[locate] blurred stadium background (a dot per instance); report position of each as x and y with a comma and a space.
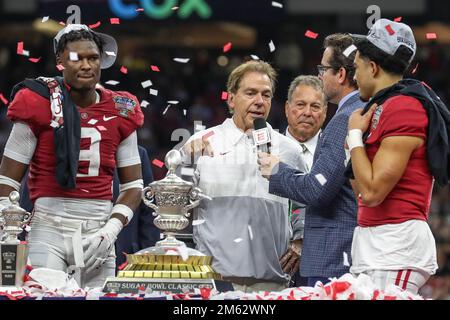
154, 32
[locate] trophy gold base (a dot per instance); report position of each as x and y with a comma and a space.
13, 259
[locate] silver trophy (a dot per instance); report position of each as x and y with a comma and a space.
169, 265
13, 253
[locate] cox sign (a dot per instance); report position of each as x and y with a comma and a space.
162, 10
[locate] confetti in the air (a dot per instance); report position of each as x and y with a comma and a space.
114, 20
415, 68
19, 47
167, 108
124, 70
139, 9
146, 84
184, 112
181, 60
398, 19
237, 240
199, 127
95, 25
173, 101
34, 60
250, 232
277, 4
227, 47
254, 57
92, 121
349, 50
199, 221
322, 180
185, 171
62, 23
311, 34
60, 67
4, 100
346, 263
154, 68
101, 128
389, 29
144, 103
158, 163
153, 92
175, 8
431, 35
112, 82
45, 19
110, 53
73, 56
224, 95
271, 46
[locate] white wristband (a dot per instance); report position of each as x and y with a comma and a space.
354, 139
10, 182
123, 210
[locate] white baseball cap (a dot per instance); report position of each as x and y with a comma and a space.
109, 43
389, 35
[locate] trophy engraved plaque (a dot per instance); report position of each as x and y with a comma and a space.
170, 265
13, 253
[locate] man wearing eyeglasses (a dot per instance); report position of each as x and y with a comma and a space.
330, 216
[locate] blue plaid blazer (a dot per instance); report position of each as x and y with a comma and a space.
330, 217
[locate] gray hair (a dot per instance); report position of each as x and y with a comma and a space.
307, 80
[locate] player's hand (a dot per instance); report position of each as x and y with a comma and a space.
361, 121
98, 246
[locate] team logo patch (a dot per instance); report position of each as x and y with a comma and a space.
124, 105
376, 116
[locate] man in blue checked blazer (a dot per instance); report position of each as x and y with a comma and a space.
331, 204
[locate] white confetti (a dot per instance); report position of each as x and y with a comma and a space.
321, 178
237, 240
184, 112
349, 50
26, 53
277, 4
173, 102
346, 263
199, 127
92, 121
165, 110
27, 228
250, 232
271, 46
185, 171
144, 103
153, 92
254, 57
197, 222
112, 82
73, 56
146, 84
181, 60
44, 19
110, 53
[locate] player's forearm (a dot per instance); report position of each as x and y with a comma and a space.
126, 203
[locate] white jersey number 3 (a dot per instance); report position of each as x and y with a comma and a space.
93, 153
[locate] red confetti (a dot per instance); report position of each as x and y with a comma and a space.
398, 19
390, 298
95, 25
205, 293
34, 60
389, 29
62, 23
431, 35
311, 34
158, 163
114, 20
227, 47
154, 68
124, 70
123, 265
4, 100
376, 293
224, 95
207, 135
140, 9
60, 67
20, 47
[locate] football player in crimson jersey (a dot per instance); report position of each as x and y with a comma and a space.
394, 169
74, 227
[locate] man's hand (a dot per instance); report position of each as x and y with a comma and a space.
267, 162
359, 121
98, 246
198, 147
290, 260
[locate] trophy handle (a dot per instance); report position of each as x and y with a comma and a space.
148, 196
27, 219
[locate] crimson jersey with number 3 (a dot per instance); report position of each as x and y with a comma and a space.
103, 127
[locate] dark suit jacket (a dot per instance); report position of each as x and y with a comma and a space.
330, 217
139, 234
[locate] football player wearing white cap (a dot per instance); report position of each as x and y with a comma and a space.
398, 146
73, 135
